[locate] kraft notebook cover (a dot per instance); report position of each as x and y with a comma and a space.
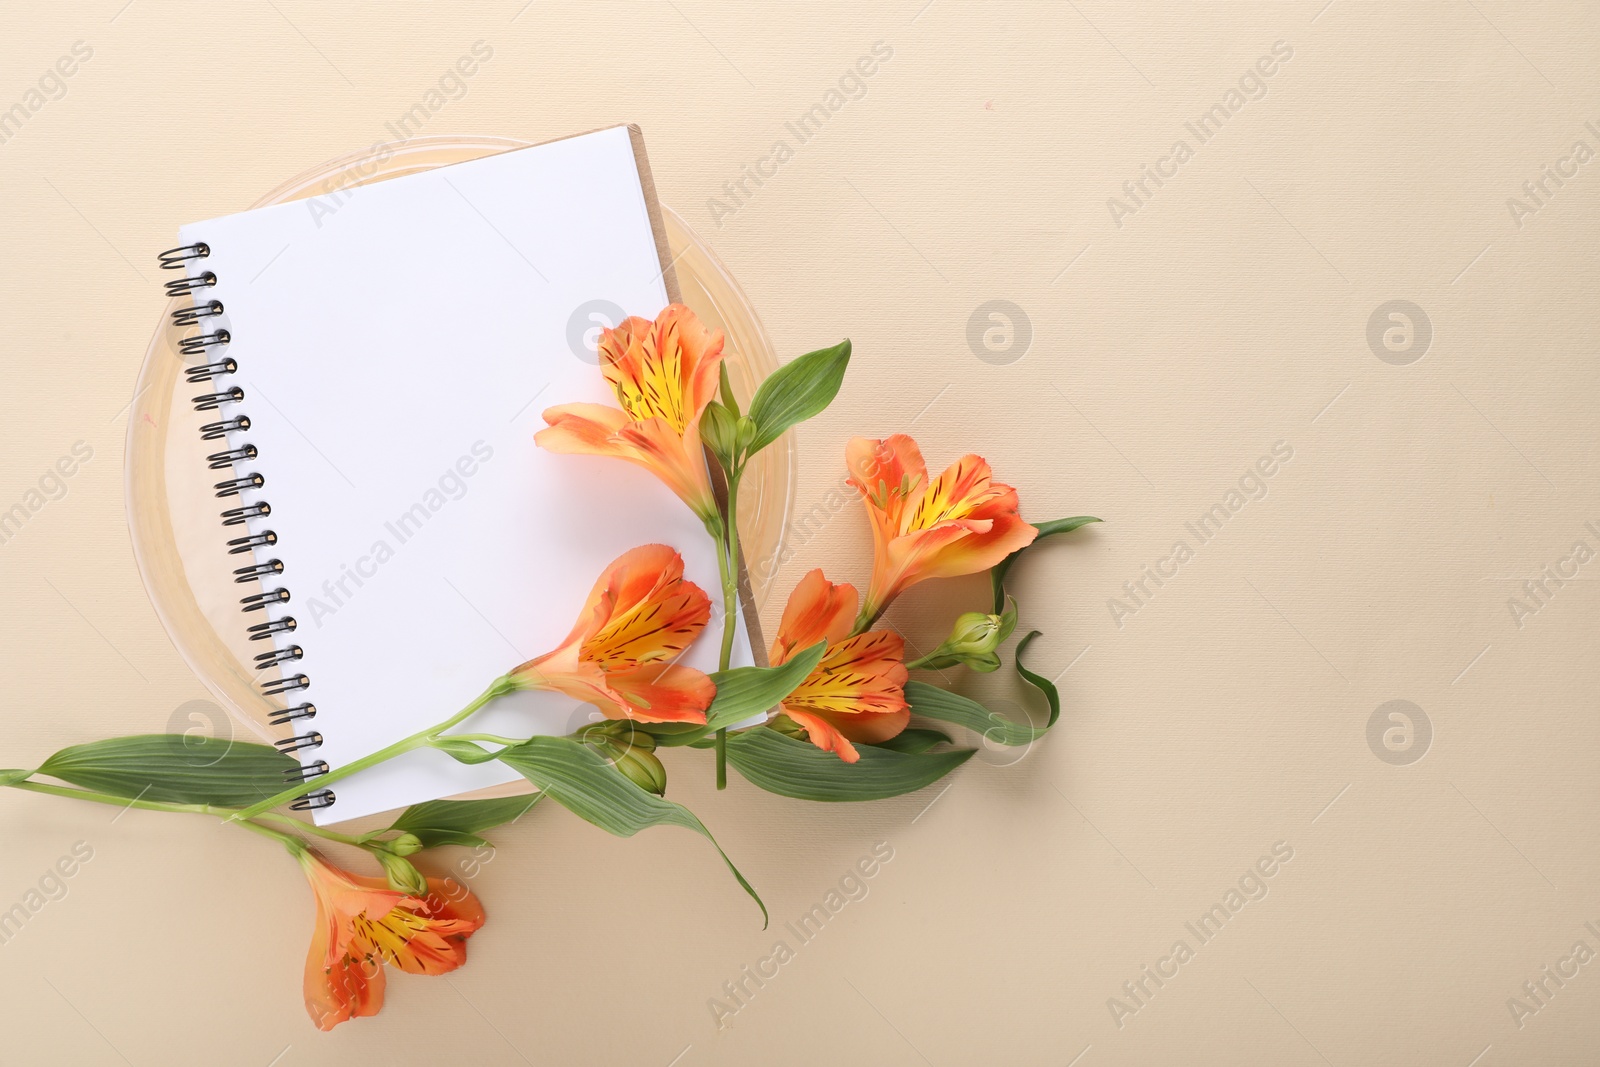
394, 348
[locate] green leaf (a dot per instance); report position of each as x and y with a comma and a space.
175, 769
997, 576
746, 691
742, 693
914, 740
578, 779
931, 702
1044, 685
796, 391
459, 822
462, 751
798, 769
673, 734
13, 777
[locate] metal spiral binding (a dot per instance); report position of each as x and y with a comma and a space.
191, 316
254, 541
180, 286
288, 715
221, 460
260, 570
279, 655
221, 366
216, 431
207, 371
235, 486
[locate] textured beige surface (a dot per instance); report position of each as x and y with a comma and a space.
1168, 355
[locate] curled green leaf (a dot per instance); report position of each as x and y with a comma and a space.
931, 702
997, 576
799, 769
580, 780
1044, 685
459, 822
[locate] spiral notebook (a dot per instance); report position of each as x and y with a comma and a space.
376, 363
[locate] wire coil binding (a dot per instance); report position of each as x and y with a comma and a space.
220, 365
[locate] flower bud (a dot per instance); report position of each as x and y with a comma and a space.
618, 735
744, 433
644, 770
974, 634
973, 641
403, 876
405, 845
787, 727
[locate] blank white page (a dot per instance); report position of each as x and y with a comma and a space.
396, 347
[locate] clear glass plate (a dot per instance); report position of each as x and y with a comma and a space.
178, 539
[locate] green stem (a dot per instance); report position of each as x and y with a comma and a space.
489, 739
421, 739
728, 562
121, 802
312, 828
295, 846
870, 614
185, 809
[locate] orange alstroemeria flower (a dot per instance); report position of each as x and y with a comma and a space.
857, 692
639, 617
362, 924
962, 523
664, 374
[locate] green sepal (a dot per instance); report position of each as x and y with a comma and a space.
728, 399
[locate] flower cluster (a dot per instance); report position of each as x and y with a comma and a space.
828, 718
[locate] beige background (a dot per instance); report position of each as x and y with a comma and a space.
1166, 356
